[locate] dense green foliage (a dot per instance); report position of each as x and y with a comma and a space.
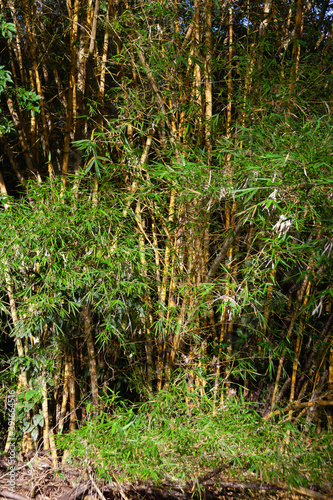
176, 437
166, 216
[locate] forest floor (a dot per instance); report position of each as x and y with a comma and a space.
36, 479
165, 450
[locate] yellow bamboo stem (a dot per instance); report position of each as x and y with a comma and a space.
290, 329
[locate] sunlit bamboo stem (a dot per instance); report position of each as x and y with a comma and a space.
101, 89
71, 100
45, 410
72, 395
65, 394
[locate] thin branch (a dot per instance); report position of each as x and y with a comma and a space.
223, 252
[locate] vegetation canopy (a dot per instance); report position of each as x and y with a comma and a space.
166, 224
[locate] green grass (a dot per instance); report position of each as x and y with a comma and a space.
169, 440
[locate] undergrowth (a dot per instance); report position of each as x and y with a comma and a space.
177, 437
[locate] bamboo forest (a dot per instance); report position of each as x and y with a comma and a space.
166, 244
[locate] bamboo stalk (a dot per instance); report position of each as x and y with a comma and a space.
45, 410
196, 92
101, 89
301, 300
164, 287
3, 191
311, 366
168, 344
297, 352
146, 321
268, 300
317, 387
17, 45
91, 356
230, 59
48, 436
22, 379
23, 140
65, 394
72, 395
53, 449
71, 99
267, 7
296, 52
298, 406
32, 47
